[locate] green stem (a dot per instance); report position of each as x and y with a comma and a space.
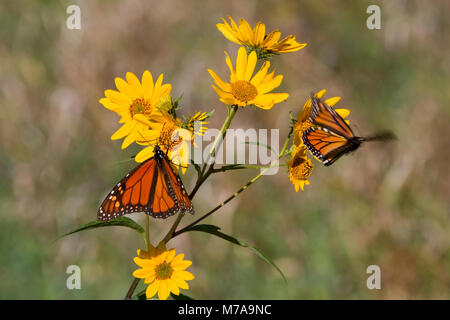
172, 229
147, 232
234, 195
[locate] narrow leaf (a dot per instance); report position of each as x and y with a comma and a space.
121, 222
214, 230
180, 297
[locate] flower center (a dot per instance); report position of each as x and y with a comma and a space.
140, 106
243, 91
301, 168
169, 137
163, 271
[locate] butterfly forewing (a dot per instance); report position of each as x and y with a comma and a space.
326, 117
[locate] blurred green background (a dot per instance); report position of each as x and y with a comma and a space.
387, 204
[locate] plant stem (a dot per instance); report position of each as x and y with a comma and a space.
132, 288
147, 232
172, 229
244, 187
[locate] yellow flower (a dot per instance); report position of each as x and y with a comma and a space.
135, 99
243, 89
300, 168
163, 272
257, 39
199, 118
166, 132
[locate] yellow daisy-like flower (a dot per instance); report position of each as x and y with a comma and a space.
257, 39
300, 168
168, 134
243, 89
163, 271
135, 100
196, 123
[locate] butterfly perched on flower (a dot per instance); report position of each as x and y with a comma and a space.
330, 137
152, 187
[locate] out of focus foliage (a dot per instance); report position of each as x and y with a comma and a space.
388, 204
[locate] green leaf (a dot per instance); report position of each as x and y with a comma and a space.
121, 222
214, 230
180, 297
209, 114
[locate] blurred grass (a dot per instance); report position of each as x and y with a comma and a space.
386, 204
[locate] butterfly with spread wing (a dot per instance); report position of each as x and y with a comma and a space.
331, 137
152, 187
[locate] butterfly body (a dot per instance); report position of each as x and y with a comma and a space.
330, 136
152, 187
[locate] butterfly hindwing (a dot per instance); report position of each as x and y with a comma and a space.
130, 194
152, 187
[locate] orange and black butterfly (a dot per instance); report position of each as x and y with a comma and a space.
152, 187
331, 137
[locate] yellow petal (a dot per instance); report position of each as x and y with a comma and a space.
271, 39
225, 97
134, 83
227, 32
170, 255
124, 87
246, 31
184, 275
144, 154
152, 289
124, 130
180, 283
173, 287
241, 64
118, 98
259, 76
143, 273
230, 66
147, 84
179, 266
267, 87
320, 94
163, 292
259, 33
251, 63
343, 112
222, 84
109, 105
130, 138
332, 101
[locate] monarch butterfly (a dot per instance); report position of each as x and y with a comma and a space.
331, 137
152, 187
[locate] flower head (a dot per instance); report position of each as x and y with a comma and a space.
167, 132
265, 45
300, 168
135, 100
163, 271
243, 89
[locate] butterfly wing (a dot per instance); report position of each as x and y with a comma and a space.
131, 194
324, 145
324, 116
184, 202
162, 202
152, 187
